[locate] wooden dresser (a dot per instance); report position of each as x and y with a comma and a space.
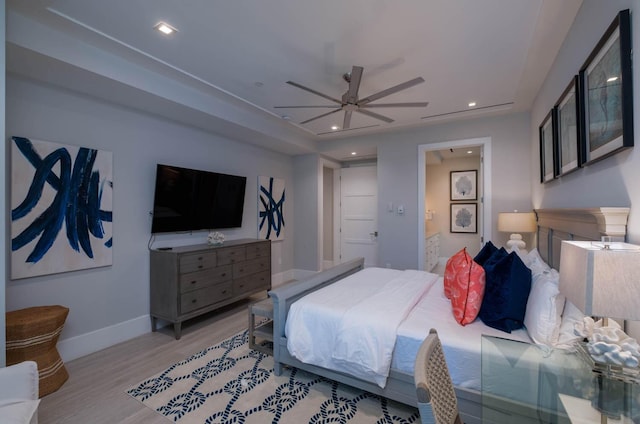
188, 281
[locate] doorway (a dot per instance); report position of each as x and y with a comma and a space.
482, 204
359, 214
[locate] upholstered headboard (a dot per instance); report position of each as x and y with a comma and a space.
555, 225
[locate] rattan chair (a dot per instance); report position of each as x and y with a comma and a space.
437, 400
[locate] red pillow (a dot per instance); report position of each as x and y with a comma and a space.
455, 262
464, 284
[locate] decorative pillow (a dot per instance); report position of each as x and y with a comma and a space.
508, 282
453, 264
535, 263
544, 308
570, 317
485, 253
466, 289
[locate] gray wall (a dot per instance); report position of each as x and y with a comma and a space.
114, 296
3, 199
398, 176
612, 181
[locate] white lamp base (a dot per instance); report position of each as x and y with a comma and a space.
516, 242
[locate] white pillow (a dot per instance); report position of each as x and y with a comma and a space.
535, 263
570, 317
544, 308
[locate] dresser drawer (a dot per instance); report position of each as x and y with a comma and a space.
197, 261
208, 277
261, 280
204, 297
251, 267
230, 255
258, 250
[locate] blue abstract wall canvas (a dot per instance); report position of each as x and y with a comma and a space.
61, 208
271, 197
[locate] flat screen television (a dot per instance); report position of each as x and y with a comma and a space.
188, 200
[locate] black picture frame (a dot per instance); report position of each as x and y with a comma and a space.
607, 94
548, 148
568, 130
464, 218
463, 185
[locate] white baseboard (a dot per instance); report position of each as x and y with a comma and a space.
84, 344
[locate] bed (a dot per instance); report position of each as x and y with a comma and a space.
554, 225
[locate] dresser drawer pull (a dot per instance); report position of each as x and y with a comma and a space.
224, 292
199, 266
224, 274
193, 282
199, 258
194, 301
241, 269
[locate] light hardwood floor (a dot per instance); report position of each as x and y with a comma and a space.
95, 390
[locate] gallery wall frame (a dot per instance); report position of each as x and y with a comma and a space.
605, 82
568, 129
464, 185
548, 147
464, 218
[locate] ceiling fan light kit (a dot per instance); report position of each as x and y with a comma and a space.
350, 102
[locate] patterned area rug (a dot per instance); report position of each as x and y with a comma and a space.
230, 383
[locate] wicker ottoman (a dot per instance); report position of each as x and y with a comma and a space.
32, 334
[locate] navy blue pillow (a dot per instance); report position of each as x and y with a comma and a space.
485, 253
508, 283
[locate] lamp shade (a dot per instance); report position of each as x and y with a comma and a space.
602, 282
517, 222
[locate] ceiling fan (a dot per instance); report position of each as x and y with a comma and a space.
350, 101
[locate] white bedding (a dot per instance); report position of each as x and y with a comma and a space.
461, 344
333, 328
350, 326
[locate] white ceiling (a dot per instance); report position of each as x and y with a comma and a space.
493, 52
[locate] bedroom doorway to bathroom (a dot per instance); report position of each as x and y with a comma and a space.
435, 210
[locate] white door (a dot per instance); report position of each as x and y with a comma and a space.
359, 214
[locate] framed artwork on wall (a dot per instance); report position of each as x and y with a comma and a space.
607, 94
568, 120
464, 185
464, 218
548, 148
61, 208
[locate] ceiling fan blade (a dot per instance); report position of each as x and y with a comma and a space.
416, 104
321, 116
347, 120
392, 90
317, 93
354, 84
375, 115
303, 107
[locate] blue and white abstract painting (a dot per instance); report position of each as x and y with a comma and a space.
61, 208
271, 197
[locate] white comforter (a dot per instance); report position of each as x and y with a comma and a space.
332, 327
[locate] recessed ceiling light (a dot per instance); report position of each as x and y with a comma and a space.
335, 127
165, 28
353, 153
472, 104
612, 79
286, 117
469, 151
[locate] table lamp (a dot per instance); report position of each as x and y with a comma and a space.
602, 280
515, 223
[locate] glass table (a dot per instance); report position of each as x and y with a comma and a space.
524, 383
